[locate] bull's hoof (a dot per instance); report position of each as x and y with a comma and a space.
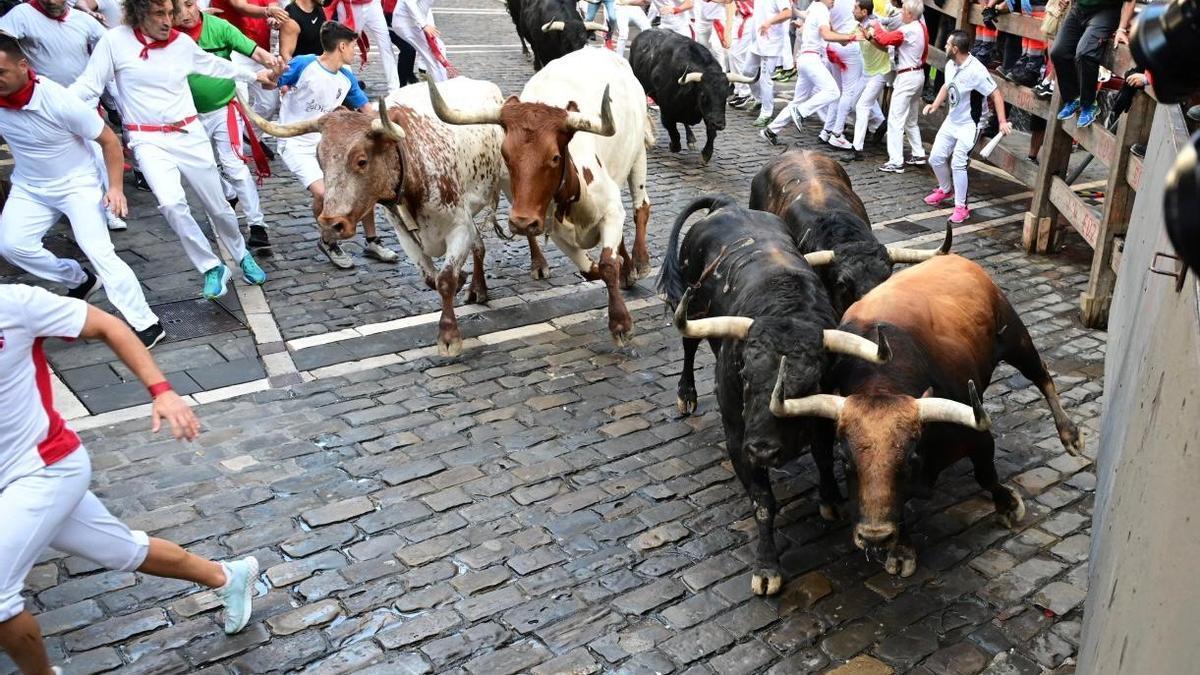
829, 512
1011, 516
477, 297
674, 147
540, 271
901, 560
692, 146
686, 404
629, 278
431, 283
766, 582
705, 159
451, 348
641, 268
621, 336
1071, 439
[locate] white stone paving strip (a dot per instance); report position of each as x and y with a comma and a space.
262, 323
65, 401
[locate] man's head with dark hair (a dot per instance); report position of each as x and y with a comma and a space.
14, 67
863, 9
958, 42
153, 17
335, 36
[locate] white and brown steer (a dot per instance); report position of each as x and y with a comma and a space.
567, 167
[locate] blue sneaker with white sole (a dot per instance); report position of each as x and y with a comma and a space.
1068, 110
251, 272
216, 282
238, 592
1088, 115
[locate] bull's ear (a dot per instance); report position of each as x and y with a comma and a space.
572, 106
928, 393
514, 99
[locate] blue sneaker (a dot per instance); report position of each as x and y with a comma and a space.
1068, 111
251, 272
238, 592
1088, 115
216, 282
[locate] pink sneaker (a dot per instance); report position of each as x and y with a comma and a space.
960, 214
937, 197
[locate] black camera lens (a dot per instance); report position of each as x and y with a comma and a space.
1164, 44
1181, 204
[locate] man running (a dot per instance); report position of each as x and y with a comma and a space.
366, 18
318, 85
45, 472
149, 62
911, 41
223, 117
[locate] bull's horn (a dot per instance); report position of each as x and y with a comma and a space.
953, 412
738, 78
819, 258
916, 255
841, 342
691, 78
553, 25
280, 130
592, 25
601, 126
733, 327
816, 405
384, 124
486, 115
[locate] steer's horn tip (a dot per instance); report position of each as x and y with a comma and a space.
982, 421
777, 404
949, 240
885, 350
681, 311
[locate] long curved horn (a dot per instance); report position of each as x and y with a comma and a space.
953, 412
280, 130
816, 405
691, 78
487, 115
592, 26
733, 327
601, 126
738, 78
384, 124
819, 258
553, 25
916, 255
841, 342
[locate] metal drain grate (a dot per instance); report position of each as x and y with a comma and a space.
195, 318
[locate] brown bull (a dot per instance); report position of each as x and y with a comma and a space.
947, 325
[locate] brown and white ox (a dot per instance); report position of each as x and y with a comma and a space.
567, 166
946, 326
431, 178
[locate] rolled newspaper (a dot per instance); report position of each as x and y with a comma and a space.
987, 149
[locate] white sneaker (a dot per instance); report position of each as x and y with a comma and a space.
115, 223
840, 142
824, 136
376, 250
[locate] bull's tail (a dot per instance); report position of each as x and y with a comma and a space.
671, 283
649, 139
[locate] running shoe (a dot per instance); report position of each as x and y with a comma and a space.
797, 118
748, 103
770, 137
892, 168
960, 214
375, 249
251, 272
337, 256
237, 595
937, 197
824, 136
917, 160
82, 291
1068, 110
737, 101
851, 156
115, 222
152, 335
762, 121
839, 141
651, 104
1045, 89
216, 282
258, 237
1088, 115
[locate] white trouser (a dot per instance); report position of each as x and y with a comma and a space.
408, 28
234, 172
53, 508
31, 210
706, 36
851, 83
765, 87
902, 116
164, 159
627, 14
952, 146
787, 52
739, 51
265, 102
677, 23
369, 19
815, 90
867, 113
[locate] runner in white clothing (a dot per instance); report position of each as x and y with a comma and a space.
956, 137
675, 15
49, 132
846, 65
767, 40
911, 43
149, 62
630, 11
366, 18
412, 20
45, 472
707, 15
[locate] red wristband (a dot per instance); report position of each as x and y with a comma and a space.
160, 388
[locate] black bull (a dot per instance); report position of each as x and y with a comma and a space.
763, 302
553, 28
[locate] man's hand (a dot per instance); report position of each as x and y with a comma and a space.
1136, 80
168, 406
928, 109
114, 201
431, 31
266, 78
277, 13
1121, 37
1006, 128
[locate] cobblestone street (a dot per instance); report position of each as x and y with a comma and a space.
537, 505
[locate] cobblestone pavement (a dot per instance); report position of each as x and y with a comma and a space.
537, 505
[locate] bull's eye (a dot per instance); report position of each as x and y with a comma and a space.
362, 163
555, 160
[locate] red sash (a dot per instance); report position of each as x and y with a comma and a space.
262, 166
147, 45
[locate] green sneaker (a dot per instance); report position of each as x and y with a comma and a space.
238, 592
216, 282
251, 272
762, 121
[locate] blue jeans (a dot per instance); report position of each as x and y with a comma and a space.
610, 14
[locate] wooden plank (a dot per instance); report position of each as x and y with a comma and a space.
1082, 217
950, 8
1040, 233
1022, 97
1016, 24
936, 58
1020, 168
1095, 139
1133, 175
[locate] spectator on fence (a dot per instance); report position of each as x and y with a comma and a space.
1078, 49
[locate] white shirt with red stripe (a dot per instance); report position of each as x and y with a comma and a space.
47, 136
816, 18
56, 49
32, 434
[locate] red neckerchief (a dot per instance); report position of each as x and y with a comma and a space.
38, 6
20, 98
147, 45
194, 31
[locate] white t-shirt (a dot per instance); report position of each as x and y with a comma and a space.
56, 49
42, 153
113, 11
313, 91
911, 52
677, 22
810, 36
32, 434
961, 81
704, 10
772, 43
153, 90
841, 16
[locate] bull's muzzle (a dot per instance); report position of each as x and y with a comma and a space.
340, 226
874, 534
525, 226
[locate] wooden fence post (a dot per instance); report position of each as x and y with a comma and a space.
1041, 227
